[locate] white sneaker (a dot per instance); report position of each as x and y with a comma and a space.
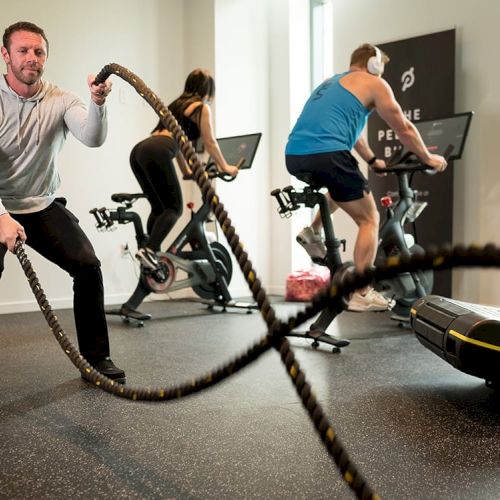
371, 301
312, 242
147, 258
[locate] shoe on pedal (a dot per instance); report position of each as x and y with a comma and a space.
312, 242
147, 258
107, 368
370, 301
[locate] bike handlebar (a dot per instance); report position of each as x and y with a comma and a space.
409, 163
403, 167
214, 173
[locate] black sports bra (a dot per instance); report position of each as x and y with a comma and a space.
190, 124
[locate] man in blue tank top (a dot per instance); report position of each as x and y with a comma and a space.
320, 144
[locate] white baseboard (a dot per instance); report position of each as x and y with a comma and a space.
32, 305
62, 303
276, 290
67, 303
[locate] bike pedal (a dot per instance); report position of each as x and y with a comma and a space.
159, 275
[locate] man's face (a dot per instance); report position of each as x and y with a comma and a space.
26, 57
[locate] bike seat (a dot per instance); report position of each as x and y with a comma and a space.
121, 197
309, 179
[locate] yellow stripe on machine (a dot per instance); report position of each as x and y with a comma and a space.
480, 343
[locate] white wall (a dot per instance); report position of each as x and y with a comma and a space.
247, 46
280, 231
242, 106
161, 42
145, 37
259, 74
299, 82
195, 49
477, 176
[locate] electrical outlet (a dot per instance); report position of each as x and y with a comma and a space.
124, 250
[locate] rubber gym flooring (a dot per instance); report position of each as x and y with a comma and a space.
414, 426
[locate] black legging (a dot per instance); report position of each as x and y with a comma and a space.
54, 232
152, 164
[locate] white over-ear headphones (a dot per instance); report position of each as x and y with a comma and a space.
375, 66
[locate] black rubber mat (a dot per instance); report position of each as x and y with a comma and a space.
415, 427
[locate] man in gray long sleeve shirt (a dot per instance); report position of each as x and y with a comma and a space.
35, 117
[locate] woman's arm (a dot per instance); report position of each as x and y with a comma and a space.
210, 143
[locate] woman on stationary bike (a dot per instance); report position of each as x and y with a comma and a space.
152, 163
152, 160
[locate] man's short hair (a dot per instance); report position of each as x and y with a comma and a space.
361, 55
22, 26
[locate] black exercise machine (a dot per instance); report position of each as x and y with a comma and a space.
289, 199
465, 335
206, 266
444, 136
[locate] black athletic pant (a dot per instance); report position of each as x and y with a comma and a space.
151, 162
55, 234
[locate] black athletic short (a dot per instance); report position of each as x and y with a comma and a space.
338, 171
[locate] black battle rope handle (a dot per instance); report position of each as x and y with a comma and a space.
445, 258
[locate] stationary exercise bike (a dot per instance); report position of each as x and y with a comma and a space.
394, 240
445, 136
405, 288
290, 199
206, 266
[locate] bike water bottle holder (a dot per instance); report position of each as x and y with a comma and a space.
415, 210
386, 201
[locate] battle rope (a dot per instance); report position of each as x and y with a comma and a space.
276, 329
445, 258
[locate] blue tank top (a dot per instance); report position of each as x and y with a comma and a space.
332, 120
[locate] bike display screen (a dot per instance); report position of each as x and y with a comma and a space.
438, 134
240, 148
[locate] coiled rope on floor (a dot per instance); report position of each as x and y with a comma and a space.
277, 330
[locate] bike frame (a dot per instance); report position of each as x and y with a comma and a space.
199, 263
190, 261
392, 231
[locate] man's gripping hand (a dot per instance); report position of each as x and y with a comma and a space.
437, 162
379, 164
98, 92
10, 230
